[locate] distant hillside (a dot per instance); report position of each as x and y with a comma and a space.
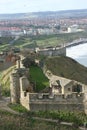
68, 68
59, 14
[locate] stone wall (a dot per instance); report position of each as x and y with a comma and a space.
44, 101
24, 100
14, 88
56, 106
85, 102
53, 52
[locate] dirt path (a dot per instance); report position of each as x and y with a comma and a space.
4, 101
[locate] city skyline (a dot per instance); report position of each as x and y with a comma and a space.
25, 6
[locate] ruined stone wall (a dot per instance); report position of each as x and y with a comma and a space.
24, 96
53, 52
44, 106
14, 88
24, 100
52, 102
44, 101
85, 102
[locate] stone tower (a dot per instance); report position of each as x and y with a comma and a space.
15, 88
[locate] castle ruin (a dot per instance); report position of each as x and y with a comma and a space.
63, 94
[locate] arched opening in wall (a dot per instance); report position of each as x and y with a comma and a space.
77, 88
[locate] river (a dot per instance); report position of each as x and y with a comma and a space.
79, 53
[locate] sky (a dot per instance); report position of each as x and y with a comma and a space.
22, 6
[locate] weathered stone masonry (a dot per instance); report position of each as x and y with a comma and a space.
44, 101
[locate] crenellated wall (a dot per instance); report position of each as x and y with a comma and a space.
45, 102
19, 87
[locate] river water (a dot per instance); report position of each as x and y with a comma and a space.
79, 53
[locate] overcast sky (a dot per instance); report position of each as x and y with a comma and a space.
20, 6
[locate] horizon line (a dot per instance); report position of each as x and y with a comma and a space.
42, 11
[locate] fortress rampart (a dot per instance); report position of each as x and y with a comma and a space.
19, 86
44, 101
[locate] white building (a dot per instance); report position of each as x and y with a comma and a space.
73, 28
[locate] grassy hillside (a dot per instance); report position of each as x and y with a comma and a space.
17, 122
68, 68
57, 39
41, 40
5, 80
38, 78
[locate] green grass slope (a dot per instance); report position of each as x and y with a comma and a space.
38, 78
41, 40
68, 68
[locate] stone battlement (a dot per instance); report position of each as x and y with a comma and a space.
67, 99
45, 101
58, 97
